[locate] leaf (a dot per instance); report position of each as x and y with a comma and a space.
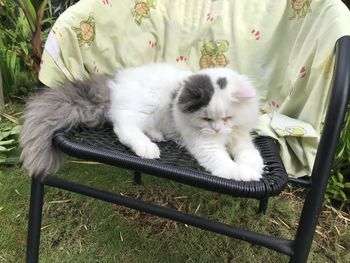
13, 62
16, 130
4, 135
12, 160
341, 152
334, 192
24, 47
3, 149
40, 11
340, 185
6, 149
5, 126
2, 158
29, 11
340, 177
327, 199
8, 142
342, 195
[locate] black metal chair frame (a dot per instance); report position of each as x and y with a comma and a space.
73, 143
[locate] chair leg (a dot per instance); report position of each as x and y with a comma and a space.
307, 225
263, 205
34, 221
137, 178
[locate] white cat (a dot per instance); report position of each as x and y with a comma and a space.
210, 113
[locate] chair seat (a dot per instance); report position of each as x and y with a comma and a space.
175, 163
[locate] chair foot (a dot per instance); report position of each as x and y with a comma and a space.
137, 178
34, 221
263, 203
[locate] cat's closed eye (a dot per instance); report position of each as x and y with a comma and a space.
225, 119
207, 119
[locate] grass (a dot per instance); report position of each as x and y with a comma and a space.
81, 229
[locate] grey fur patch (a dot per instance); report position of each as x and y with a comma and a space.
65, 106
196, 93
222, 82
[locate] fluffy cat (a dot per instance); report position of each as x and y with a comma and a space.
210, 112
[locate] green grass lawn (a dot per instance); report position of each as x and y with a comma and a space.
81, 229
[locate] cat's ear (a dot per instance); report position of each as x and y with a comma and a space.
243, 90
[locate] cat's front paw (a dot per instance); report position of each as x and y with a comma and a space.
147, 150
246, 173
238, 172
228, 171
251, 158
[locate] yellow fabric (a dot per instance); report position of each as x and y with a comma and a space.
286, 47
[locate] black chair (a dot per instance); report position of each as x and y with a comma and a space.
176, 164
101, 145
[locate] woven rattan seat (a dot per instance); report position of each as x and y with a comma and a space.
175, 163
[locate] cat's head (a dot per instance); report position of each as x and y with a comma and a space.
214, 101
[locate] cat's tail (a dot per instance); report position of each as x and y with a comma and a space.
63, 107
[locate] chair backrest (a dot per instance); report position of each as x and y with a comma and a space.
286, 47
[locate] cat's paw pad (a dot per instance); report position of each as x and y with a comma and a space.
247, 173
148, 150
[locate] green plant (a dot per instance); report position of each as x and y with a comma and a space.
14, 46
8, 142
34, 13
57, 7
19, 59
339, 183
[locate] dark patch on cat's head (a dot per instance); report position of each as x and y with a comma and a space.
222, 82
175, 93
196, 93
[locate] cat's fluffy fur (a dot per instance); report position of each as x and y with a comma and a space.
210, 112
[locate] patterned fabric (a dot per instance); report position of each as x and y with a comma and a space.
286, 47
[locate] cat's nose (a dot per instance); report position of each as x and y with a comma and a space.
216, 126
